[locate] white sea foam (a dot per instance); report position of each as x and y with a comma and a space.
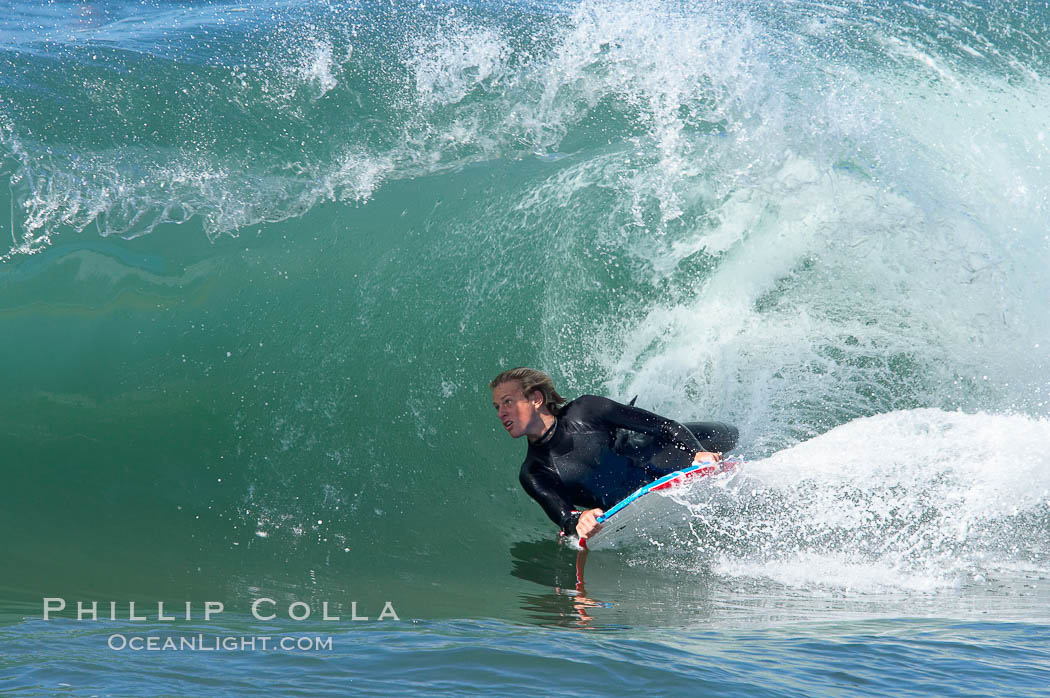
449, 63
916, 500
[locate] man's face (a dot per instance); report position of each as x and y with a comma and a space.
516, 412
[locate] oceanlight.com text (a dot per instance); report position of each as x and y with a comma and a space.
218, 643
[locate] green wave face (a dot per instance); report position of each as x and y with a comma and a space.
265, 258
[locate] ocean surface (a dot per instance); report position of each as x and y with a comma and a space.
259, 261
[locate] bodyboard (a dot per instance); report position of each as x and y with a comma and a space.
648, 510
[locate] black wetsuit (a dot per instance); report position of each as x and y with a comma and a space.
574, 463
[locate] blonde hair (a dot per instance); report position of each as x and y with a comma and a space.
530, 380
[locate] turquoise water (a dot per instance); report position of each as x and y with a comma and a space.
265, 257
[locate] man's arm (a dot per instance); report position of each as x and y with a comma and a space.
543, 487
681, 446
637, 419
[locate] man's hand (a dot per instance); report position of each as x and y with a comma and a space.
587, 526
702, 457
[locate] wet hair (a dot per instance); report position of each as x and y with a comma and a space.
530, 380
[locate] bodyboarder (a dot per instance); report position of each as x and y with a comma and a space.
572, 459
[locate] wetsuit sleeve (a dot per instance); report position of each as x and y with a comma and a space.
544, 488
615, 415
